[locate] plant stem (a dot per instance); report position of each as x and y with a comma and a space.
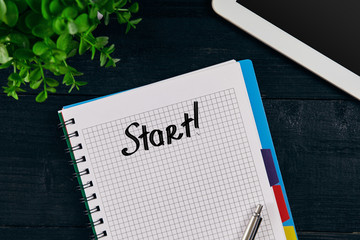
43, 75
93, 45
72, 76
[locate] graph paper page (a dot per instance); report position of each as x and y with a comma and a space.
184, 164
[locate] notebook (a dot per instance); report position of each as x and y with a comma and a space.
189, 157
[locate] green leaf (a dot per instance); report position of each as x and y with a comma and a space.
19, 39
110, 63
59, 25
55, 7
2, 9
135, 21
81, 83
15, 77
120, 3
63, 42
93, 51
102, 59
59, 54
36, 84
128, 27
72, 27
93, 12
21, 5
27, 77
41, 97
51, 82
43, 31
82, 22
50, 42
111, 49
134, 8
62, 69
14, 95
33, 19
74, 71
23, 53
106, 18
40, 48
67, 80
23, 72
121, 19
5, 65
83, 47
21, 24
109, 6
35, 75
45, 11
101, 42
12, 14
80, 4
50, 89
102, 3
34, 5
69, 12
4, 55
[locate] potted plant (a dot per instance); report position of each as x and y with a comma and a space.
37, 37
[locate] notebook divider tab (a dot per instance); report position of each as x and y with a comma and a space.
274, 184
270, 166
76, 162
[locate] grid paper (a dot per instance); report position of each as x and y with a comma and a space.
199, 187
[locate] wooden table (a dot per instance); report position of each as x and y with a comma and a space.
315, 127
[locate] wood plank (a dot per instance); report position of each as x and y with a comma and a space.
37, 185
178, 37
317, 144
54, 233
327, 236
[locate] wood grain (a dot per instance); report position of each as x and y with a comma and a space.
315, 127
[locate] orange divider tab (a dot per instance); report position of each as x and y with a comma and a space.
284, 214
290, 233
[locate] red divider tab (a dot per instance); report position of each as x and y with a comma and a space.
281, 203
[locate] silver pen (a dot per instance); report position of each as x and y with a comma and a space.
253, 225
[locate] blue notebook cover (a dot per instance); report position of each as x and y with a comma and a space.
262, 125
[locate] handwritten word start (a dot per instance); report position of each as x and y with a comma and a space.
170, 134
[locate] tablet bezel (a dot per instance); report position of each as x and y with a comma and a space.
289, 46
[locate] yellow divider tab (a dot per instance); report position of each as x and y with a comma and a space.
290, 233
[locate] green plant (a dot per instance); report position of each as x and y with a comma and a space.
38, 36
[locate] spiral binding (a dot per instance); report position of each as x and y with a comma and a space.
74, 148
67, 122
78, 160
79, 174
100, 235
67, 136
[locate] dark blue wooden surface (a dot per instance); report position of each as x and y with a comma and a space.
315, 127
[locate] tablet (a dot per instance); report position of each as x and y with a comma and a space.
321, 35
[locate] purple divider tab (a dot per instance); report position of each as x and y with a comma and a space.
270, 166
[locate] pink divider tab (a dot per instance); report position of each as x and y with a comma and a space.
284, 214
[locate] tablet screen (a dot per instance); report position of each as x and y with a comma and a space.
332, 27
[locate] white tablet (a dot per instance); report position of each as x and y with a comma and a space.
321, 35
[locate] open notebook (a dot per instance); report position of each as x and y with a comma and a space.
179, 159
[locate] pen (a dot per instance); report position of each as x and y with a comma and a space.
253, 225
